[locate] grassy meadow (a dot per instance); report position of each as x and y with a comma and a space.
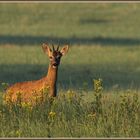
104, 44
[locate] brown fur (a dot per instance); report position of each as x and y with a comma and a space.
30, 89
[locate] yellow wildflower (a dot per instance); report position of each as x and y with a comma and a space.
18, 133
71, 94
24, 105
98, 85
92, 115
52, 114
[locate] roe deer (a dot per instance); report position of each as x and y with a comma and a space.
31, 89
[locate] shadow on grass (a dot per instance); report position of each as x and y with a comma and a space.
76, 77
94, 21
37, 40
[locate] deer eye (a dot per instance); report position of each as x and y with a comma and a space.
51, 57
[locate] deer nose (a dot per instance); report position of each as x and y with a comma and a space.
56, 60
55, 64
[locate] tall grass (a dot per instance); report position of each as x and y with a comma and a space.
70, 115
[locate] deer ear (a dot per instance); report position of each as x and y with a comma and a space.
64, 50
46, 49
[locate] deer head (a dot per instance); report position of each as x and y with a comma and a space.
54, 54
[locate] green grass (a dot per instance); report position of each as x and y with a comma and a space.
70, 22
104, 43
116, 66
74, 115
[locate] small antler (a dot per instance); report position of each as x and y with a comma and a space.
53, 47
58, 47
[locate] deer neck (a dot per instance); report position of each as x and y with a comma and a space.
52, 79
52, 74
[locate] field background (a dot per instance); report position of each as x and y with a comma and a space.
103, 38
104, 42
